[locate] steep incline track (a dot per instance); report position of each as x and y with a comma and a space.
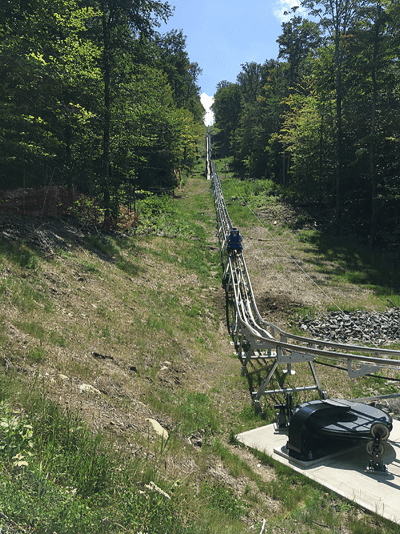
258, 340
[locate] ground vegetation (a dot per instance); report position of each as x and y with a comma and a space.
121, 393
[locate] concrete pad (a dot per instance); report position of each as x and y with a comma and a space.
344, 472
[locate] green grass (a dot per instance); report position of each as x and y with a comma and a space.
348, 262
33, 329
57, 475
223, 499
344, 261
113, 250
90, 267
195, 412
36, 355
377, 383
22, 254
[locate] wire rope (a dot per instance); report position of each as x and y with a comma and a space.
255, 337
282, 248
286, 253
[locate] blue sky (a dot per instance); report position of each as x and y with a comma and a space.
223, 34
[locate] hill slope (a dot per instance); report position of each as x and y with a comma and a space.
129, 332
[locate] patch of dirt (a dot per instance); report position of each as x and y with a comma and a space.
284, 277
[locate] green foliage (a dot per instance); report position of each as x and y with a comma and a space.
308, 137
182, 75
87, 105
162, 216
324, 121
155, 205
260, 193
226, 108
87, 210
198, 414
43, 113
15, 436
225, 500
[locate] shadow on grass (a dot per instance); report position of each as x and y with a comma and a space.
109, 249
25, 241
352, 263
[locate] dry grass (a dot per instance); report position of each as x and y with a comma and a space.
142, 321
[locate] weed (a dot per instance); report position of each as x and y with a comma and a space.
19, 254
232, 438
57, 339
127, 266
251, 493
196, 414
36, 355
102, 244
225, 500
237, 467
32, 329
15, 436
89, 267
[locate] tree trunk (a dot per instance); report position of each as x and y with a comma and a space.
106, 127
373, 132
339, 132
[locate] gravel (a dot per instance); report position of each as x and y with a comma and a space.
377, 328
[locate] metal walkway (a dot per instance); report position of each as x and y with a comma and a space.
258, 340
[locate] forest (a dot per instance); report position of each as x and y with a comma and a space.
94, 99
323, 120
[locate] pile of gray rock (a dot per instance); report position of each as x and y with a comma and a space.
355, 327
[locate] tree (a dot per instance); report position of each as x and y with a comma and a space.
251, 80
299, 37
264, 87
260, 118
307, 135
373, 85
120, 23
227, 108
182, 75
336, 17
48, 71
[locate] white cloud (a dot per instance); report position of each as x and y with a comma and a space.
283, 6
207, 102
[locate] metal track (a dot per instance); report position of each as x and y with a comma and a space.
257, 340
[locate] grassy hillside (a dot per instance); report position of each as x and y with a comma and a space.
120, 391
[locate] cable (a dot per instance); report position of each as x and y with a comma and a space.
251, 332
282, 248
345, 369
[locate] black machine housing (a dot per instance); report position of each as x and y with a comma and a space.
321, 427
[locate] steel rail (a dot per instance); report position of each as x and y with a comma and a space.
257, 339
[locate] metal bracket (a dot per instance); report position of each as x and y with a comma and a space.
362, 371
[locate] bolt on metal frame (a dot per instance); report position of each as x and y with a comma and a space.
257, 339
